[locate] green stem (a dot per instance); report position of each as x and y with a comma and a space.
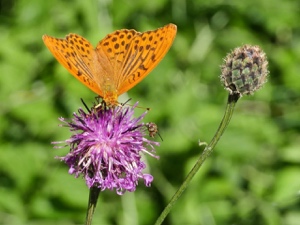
232, 99
93, 198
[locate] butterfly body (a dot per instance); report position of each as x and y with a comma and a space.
119, 61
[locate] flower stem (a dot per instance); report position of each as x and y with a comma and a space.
93, 198
232, 99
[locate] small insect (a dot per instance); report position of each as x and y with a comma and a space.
152, 129
120, 61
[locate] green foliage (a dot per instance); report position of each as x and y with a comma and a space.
251, 178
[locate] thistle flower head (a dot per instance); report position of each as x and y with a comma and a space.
106, 147
244, 70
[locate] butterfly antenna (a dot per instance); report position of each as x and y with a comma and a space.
126, 103
140, 107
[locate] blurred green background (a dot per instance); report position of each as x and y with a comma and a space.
253, 177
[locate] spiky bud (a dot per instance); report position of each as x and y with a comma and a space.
244, 70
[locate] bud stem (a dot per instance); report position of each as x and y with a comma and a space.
93, 198
232, 100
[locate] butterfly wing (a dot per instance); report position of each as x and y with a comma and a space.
133, 55
111, 53
78, 56
145, 52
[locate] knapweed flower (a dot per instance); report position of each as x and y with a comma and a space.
244, 70
106, 147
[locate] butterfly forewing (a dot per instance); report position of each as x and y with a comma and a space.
114, 46
77, 55
145, 52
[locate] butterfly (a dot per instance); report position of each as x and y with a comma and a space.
120, 61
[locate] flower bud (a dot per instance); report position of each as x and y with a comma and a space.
244, 70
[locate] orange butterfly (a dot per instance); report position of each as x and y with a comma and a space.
119, 62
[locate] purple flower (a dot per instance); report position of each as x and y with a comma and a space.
105, 148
